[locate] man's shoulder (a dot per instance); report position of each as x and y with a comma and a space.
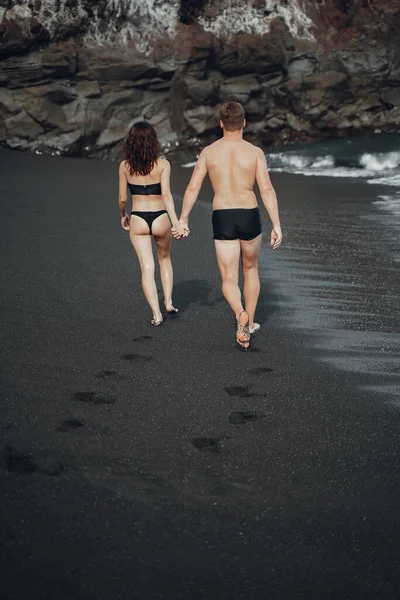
209, 148
252, 148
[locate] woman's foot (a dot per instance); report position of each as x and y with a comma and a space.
242, 332
156, 320
255, 327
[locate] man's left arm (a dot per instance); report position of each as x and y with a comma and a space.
193, 189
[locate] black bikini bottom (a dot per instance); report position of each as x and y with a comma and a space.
236, 223
149, 215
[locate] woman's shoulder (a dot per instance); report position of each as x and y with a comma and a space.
163, 163
123, 165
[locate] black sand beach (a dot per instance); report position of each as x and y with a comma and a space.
167, 463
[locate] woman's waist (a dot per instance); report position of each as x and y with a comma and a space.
147, 206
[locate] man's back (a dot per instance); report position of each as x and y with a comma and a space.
232, 167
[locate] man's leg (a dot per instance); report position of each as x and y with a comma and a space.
228, 255
250, 250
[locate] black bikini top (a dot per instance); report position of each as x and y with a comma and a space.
145, 190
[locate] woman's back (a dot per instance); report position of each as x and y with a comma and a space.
146, 190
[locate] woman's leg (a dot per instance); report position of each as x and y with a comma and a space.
161, 230
141, 241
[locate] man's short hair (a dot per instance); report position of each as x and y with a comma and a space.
232, 116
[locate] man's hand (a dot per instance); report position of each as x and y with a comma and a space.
185, 225
125, 222
276, 237
177, 231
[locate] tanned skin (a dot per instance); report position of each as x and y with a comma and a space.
161, 230
234, 166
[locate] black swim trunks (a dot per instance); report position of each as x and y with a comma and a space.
236, 223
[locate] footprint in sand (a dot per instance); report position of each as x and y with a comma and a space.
244, 417
106, 374
208, 444
239, 391
242, 392
143, 338
260, 370
17, 461
93, 398
136, 358
69, 424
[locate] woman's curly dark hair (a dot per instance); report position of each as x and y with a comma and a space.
142, 148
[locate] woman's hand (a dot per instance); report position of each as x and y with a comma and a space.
178, 231
125, 222
276, 237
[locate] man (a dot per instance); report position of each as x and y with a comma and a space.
234, 166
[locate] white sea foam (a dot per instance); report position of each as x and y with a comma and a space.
122, 22
139, 22
389, 180
189, 165
238, 16
381, 161
366, 167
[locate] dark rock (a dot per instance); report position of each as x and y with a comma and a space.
88, 89
21, 122
59, 60
239, 88
301, 67
204, 92
251, 54
14, 38
391, 97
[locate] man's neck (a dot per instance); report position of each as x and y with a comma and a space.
233, 135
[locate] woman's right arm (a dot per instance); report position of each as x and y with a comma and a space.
123, 197
168, 199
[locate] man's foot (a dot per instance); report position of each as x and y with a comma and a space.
170, 308
255, 327
242, 332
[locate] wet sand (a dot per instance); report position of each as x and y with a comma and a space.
167, 463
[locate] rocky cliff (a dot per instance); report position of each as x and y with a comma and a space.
75, 74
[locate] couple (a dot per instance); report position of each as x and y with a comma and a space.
233, 166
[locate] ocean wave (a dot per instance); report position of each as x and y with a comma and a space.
366, 165
382, 161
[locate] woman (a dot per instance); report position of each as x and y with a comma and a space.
148, 178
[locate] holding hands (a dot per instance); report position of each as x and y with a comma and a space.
180, 230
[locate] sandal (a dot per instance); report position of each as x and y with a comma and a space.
171, 310
243, 332
156, 323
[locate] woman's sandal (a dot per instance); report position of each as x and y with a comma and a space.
156, 323
243, 332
